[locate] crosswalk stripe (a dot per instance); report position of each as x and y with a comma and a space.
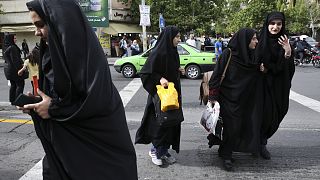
130, 90
35, 173
305, 101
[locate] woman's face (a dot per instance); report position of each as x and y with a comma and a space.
15, 39
275, 26
254, 41
41, 27
176, 40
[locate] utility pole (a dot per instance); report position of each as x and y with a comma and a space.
144, 31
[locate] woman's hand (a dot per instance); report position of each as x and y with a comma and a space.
20, 72
284, 42
164, 82
42, 107
262, 68
181, 69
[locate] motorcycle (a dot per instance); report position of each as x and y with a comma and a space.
316, 60
309, 56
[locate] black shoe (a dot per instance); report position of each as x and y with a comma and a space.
265, 154
227, 164
255, 154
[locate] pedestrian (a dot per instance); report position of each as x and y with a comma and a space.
124, 46
238, 95
135, 49
276, 57
191, 41
161, 67
31, 64
25, 48
218, 48
13, 63
80, 120
299, 50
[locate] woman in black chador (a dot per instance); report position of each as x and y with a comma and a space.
238, 95
161, 67
275, 54
13, 63
81, 120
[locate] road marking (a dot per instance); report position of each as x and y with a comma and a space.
35, 173
306, 101
130, 90
19, 121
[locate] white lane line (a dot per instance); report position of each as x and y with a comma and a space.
35, 173
306, 101
130, 90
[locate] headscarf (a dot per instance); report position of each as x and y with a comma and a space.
9, 41
268, 47
239, 44
163, 60
36, 6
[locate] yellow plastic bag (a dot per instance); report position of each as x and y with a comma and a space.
168, 97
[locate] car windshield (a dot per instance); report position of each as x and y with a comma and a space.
195, 49
310, 39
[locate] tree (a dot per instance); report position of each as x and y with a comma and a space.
245, 13
188, 15
297, 17
314, 16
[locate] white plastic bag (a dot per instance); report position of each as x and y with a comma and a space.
210, 117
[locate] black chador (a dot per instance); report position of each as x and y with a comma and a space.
87, 135
239, 96
277, 79
162, 62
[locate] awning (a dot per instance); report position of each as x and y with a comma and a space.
116, 28
18, 28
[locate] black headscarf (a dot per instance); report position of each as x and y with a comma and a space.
163, 61
269, 48
239, 44
9, 41
36, 6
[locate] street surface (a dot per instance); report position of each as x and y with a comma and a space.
295, 148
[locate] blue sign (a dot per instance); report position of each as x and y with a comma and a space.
162, 23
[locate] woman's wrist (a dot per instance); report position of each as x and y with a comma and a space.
287, 54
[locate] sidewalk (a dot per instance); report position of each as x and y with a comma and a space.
111, 61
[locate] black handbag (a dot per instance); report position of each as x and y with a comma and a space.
169, 118
25, 74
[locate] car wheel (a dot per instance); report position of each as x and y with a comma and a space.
128, 71
193, 72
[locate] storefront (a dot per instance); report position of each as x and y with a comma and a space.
110, 37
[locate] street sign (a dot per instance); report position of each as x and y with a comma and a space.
144, 15
162, 23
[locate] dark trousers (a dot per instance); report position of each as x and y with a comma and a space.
301, 56
225, 149
16, 88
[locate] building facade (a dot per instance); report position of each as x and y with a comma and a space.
15, 19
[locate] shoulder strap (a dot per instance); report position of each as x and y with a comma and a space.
225, 69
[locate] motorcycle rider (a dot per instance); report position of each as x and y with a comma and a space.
301, 48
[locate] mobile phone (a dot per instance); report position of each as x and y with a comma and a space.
23, 99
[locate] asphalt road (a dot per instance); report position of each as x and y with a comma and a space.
295, 148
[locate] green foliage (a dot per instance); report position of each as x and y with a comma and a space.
297, 18
227, 16
250, 15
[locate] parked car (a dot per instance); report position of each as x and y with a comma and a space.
309, 40
192, 60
